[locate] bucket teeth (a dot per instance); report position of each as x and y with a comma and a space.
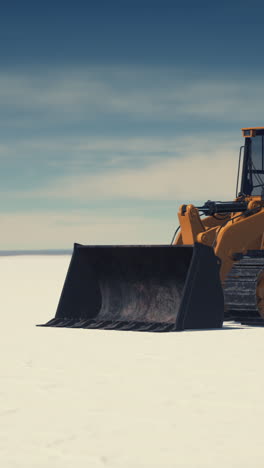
149, 327
96, 324
112, 325
130, 326
52, 323
165, 327
81, 323
64, 323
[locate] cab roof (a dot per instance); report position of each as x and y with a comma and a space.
252, 131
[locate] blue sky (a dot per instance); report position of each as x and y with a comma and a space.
114, 113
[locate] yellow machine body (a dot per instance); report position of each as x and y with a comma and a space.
238, 233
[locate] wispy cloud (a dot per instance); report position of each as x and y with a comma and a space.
143, 94
201, 175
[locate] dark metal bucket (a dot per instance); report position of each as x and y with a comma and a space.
144, 288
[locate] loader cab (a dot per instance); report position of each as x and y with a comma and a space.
252, 177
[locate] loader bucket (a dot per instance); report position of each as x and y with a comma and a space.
144, 288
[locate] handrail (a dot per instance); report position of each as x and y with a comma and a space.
238, 171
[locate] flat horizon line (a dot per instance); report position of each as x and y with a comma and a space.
13, 252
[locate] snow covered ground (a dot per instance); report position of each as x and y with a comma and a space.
81, 398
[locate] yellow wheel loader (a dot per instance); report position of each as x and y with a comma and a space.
212, 271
